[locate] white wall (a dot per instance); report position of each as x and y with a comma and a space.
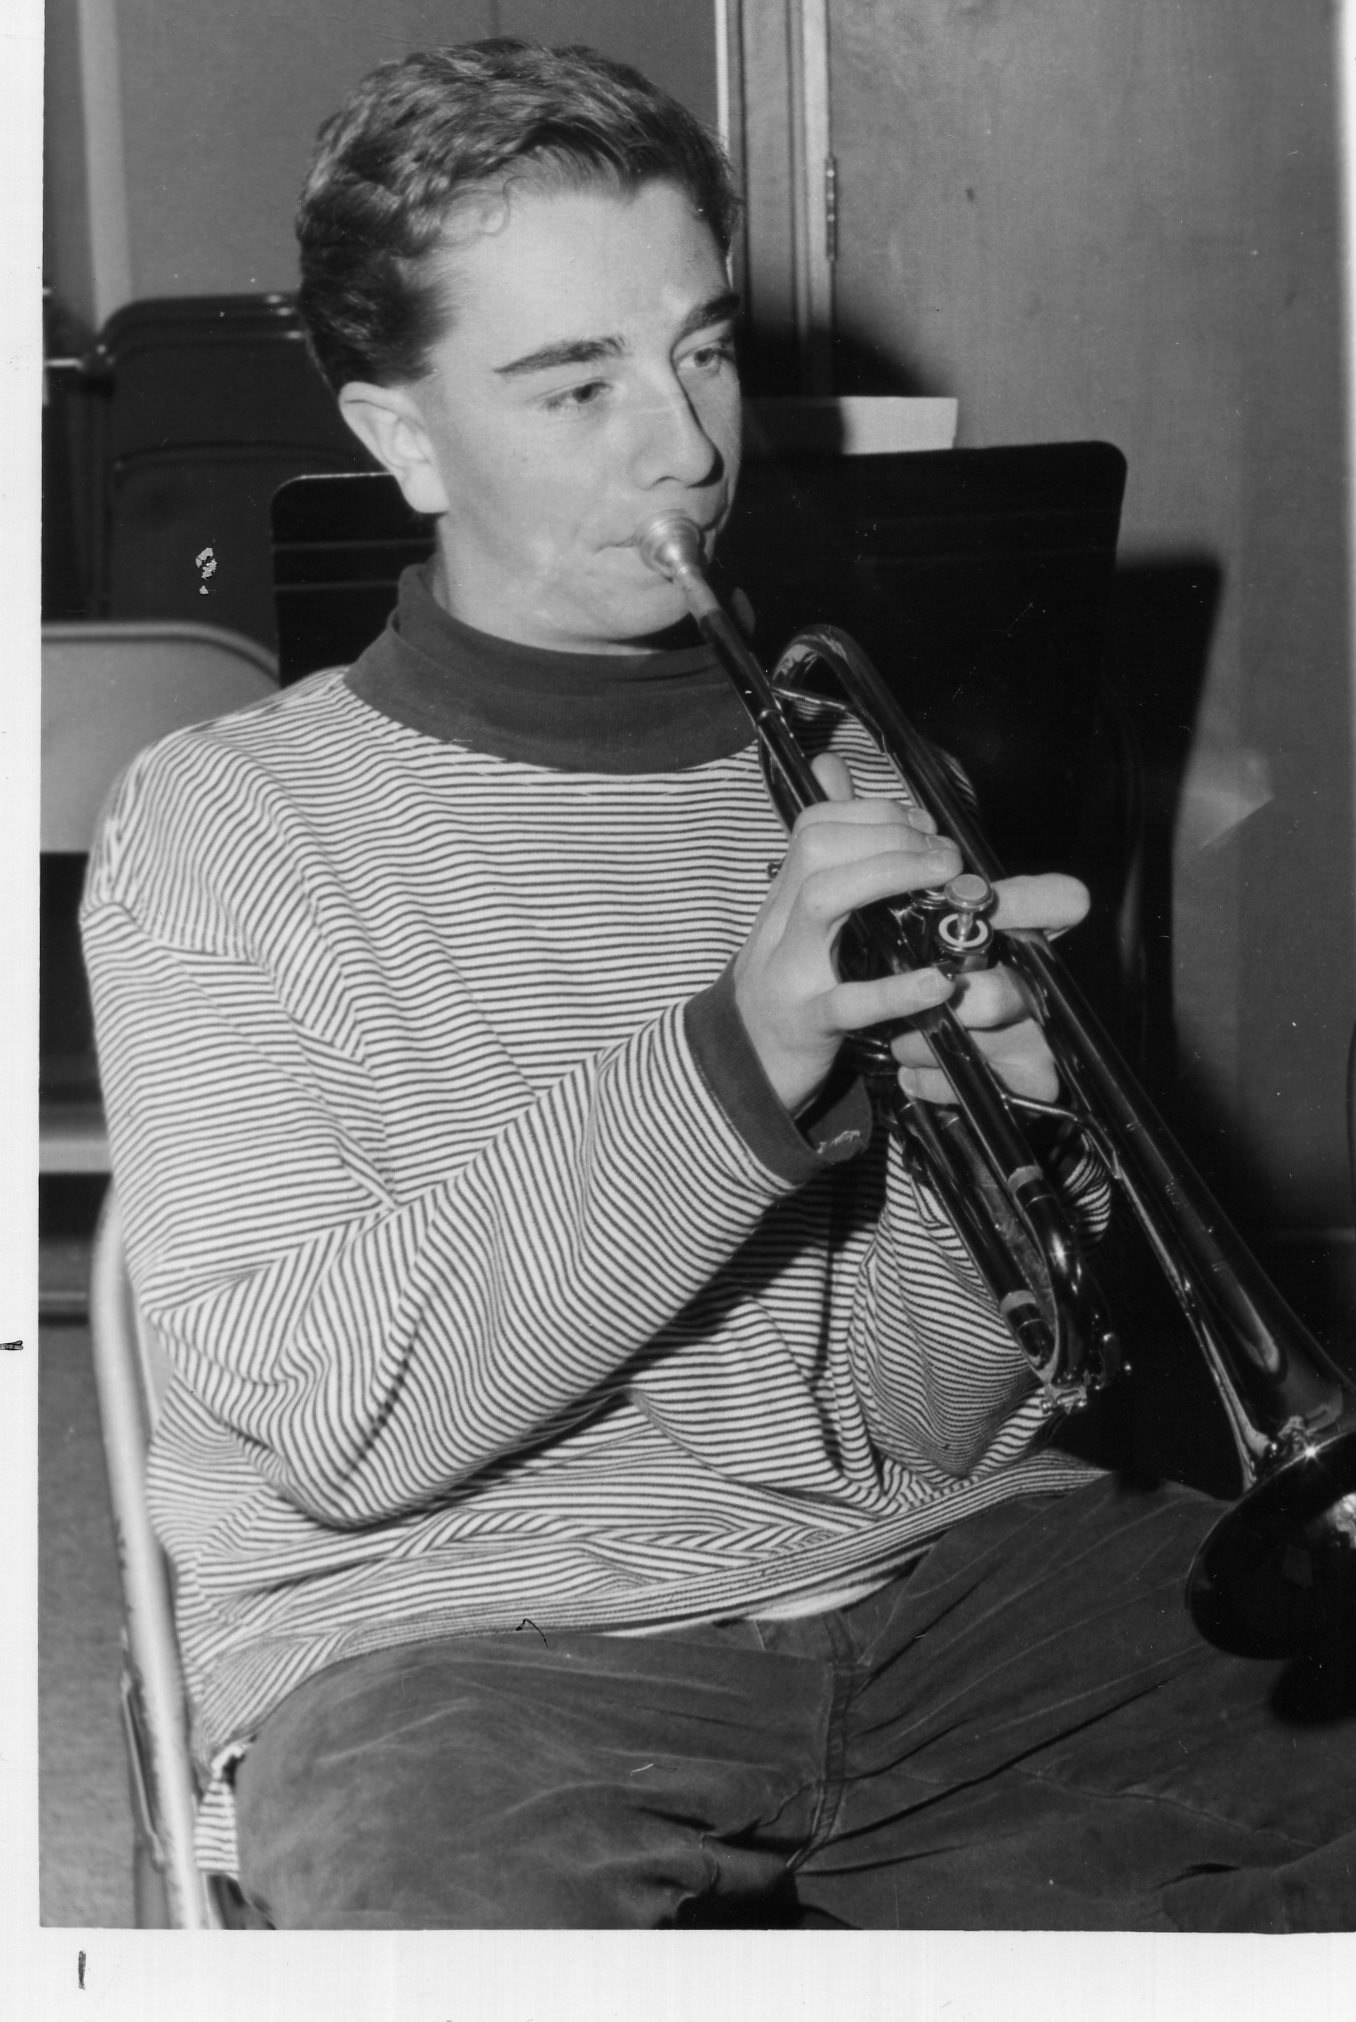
218, 102
1088, 218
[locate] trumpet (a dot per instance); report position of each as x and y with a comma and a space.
1277, 1572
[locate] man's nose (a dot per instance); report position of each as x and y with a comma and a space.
672, 443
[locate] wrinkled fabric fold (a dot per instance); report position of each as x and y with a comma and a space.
1025, 1733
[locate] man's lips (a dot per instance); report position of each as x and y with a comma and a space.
706, 526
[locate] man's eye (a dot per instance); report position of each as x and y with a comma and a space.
711, 357
572, 398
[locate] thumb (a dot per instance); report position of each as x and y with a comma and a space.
834, 776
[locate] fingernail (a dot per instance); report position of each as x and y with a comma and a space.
918, 817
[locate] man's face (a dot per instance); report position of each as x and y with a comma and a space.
587, 382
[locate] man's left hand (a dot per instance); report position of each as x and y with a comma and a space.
992, 1004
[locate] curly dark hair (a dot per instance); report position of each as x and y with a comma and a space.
420, 133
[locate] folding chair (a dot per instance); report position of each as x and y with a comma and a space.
130, 1373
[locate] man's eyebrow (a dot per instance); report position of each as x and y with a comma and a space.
722, 308
575, 351
591, 350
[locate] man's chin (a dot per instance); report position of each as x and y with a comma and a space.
683, 632
635, 621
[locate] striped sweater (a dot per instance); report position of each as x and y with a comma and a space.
495, 1281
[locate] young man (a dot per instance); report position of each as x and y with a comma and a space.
601, 1491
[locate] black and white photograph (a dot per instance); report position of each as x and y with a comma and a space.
685, 744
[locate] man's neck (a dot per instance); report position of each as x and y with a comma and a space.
663, 707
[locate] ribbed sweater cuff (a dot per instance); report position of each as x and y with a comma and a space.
833, 1130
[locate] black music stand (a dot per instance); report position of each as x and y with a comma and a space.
977, 580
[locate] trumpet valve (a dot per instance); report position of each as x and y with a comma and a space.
958, 916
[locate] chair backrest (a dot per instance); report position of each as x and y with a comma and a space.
207, 404
109, 689
339, 546
182, 370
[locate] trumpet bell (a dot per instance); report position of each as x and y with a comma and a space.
1276, 1576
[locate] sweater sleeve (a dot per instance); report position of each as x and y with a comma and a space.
374, 1351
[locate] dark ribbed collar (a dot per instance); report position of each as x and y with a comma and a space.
576, 712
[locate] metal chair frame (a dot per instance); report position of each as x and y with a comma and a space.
130, 1375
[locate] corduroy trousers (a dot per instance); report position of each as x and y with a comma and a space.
1024, 1733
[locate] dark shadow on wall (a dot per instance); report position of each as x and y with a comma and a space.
1161, 620
1161, 616
1166, 1419
863, 365
772, 364
1163, 1420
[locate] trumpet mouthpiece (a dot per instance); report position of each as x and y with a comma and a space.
671, 545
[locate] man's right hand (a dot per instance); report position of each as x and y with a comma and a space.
843, 853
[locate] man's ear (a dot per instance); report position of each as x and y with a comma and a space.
387, 421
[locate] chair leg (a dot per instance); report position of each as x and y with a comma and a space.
150, 1898
150, 1901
